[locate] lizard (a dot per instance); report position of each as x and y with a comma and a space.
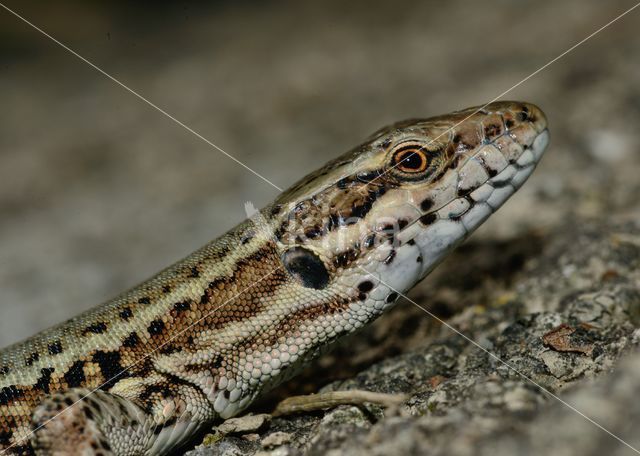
201, 340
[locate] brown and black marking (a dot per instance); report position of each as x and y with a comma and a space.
345, 203
223, 301
345, 258
274, 287
55, 348
95, 328
32, 358
75, 376
493, 127
125, 313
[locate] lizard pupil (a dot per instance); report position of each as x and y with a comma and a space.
411, 160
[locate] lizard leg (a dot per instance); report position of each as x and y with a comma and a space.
79, 422
146, 416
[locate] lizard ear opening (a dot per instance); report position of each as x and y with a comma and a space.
306, 267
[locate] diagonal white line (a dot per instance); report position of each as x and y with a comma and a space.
138, 361
278, 188
522, 81
136, 94
501, 361
519, 83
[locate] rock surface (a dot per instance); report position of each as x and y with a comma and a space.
98, 191
490, 381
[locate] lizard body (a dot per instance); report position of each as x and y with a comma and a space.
202, 339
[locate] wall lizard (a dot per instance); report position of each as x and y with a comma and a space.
140, 374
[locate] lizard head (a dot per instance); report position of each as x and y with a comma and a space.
344, 242
377, 219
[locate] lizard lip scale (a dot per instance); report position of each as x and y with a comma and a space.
463, 215
144, 372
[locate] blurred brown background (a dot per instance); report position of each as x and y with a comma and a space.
98, 191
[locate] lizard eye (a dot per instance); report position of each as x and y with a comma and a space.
410, 159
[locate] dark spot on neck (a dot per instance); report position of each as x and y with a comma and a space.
166, 289
9, 394
5, 438
75, 375
426, 204
306, 267
96, 328
156, 327
131, 341
44, 382
126, 313
182, 306
145, 300
365, 286
428, 219
158, 389
110, 367
217, 284
55, 348
169, 349
33, 357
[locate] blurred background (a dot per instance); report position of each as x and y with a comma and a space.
98, 191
